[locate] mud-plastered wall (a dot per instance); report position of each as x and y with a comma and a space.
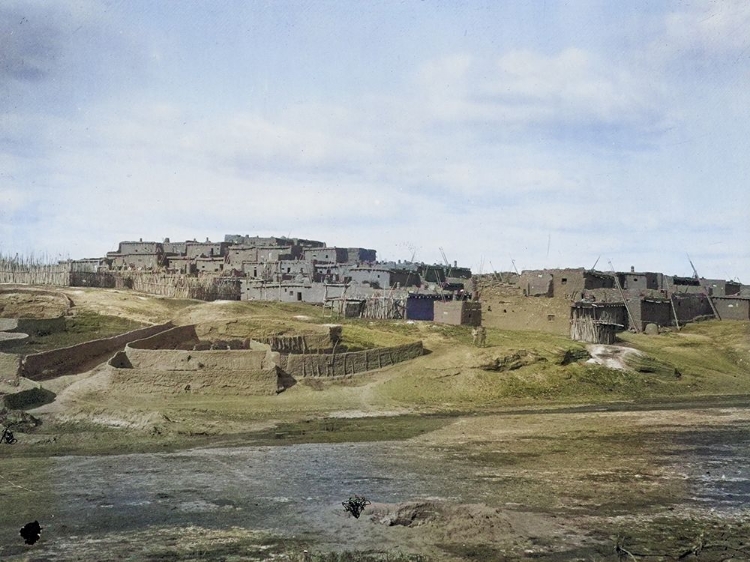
172, 338
310, 343
350, 363
57, 362
9, 365
157, 364
178, 360
204, 381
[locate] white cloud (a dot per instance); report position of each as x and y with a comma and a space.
526, 88
708, 29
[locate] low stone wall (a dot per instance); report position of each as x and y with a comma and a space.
350, 363
57, 362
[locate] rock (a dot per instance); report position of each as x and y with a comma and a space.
510, 362
573, 355
651, 330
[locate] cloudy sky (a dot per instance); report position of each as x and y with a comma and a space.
549, 133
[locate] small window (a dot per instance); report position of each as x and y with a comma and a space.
564, 281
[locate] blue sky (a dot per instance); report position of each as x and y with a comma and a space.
550, 133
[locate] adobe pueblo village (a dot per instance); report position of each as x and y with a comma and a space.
273, 398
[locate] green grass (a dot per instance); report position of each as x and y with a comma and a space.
717, 349
82, 327
344, 430
358, 336
709, 358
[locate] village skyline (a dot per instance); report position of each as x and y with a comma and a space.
551, 135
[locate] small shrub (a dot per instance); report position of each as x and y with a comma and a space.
356, 505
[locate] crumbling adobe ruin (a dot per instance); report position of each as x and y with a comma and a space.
177, 360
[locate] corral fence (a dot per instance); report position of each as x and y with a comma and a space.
201, 287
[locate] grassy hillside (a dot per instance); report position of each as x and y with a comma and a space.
516, 368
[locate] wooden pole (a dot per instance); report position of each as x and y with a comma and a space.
671, 302
624, 300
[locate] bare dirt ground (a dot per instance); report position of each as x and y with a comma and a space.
29, 302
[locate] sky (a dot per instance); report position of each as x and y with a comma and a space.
508, 134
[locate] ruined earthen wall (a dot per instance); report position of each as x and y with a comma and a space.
221, 360
350, 363
311, 343
205, 381
36, 326
57, 362
536, 283
173, 338
9, 366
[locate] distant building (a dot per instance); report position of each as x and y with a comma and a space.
732, 307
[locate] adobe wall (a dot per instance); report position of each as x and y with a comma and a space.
568, 283
57, 362
205, 381
160, 363
691, 306
173, 338
458, 313
9, 366
37, 326
536, 283
657, 312
179, 360
732, 308
350, 363
308, 343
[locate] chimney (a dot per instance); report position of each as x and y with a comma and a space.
632, 269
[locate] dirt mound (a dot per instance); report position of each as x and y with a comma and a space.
18, 420
465, 522
508, 360
27, 303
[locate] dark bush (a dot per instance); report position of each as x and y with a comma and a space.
356, 505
